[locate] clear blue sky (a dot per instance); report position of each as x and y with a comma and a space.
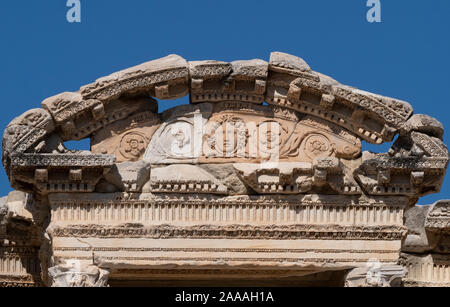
405, 56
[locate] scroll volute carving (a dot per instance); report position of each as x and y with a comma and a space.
248, 133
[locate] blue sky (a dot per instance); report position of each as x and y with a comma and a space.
405, 56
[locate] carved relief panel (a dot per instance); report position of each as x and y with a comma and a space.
126, 139
179, 139
238, 132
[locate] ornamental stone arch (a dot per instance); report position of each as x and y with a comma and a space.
265, 152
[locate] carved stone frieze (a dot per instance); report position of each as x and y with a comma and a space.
247, 232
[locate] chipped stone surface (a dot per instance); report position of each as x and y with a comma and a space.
425, 124
376, 275
184, 178
284, 61
74, 275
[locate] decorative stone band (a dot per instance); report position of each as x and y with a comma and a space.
262, 210
248, 232
214, 250
19, 281
62, 160
42, 171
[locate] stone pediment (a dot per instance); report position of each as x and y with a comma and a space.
240, 112
266, 158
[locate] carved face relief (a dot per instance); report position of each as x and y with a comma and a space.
269, 139
226, 137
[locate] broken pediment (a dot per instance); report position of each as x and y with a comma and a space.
266, 160
307, 117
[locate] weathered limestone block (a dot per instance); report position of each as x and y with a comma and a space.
426, 249
375, 274
250, 78
410, 174
288, 63
3, 217
277, 177
25, 131
389, 112
206, 79
424, 124
68, 105
165, 78
83, 125
438, 218
297, 177
184, 178
226, 175
19, 207
372, 117
428, 229
418, 240
73, 274
129, 176
220, 81
58, 172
